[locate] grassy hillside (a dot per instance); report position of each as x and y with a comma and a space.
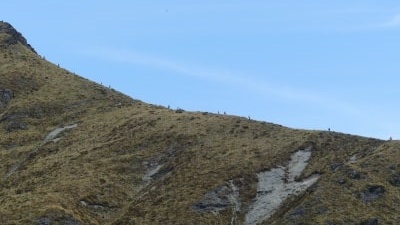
128, 162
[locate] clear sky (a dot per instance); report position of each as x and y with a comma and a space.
302, 64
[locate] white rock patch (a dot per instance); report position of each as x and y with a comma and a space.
150, 172
276, 185
235, 201
52, 135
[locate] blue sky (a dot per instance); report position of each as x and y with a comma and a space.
303, 64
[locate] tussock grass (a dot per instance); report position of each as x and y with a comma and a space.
93, 174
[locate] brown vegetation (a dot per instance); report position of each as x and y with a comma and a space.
94, 173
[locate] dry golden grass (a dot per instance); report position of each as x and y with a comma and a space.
93, 174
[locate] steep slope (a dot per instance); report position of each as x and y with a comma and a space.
75, 152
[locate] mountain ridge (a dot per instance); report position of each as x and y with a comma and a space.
13, 36
76, 152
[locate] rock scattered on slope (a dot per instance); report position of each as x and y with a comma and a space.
336, 166
16, 125
395, 180
5, 97
372, 221
354, 174
56, 217
372, 192
63, 221
221, 198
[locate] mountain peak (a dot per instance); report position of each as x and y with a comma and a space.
10, 36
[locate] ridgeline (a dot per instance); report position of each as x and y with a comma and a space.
75, 152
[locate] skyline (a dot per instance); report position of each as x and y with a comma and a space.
303, 65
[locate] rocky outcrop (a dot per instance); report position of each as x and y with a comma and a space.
274, 187
63, 221
395, 180
56, 216
5, 97
223, 197
372, 192
14, 121
277, 185
12, 36
16, 125
372, 221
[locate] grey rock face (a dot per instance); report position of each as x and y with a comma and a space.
61, 221
336, 166
395, 180
43, 221
5, 97
371, 221
297, 212
221, 198
13, 36
372, 192
353, 174
16, 125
